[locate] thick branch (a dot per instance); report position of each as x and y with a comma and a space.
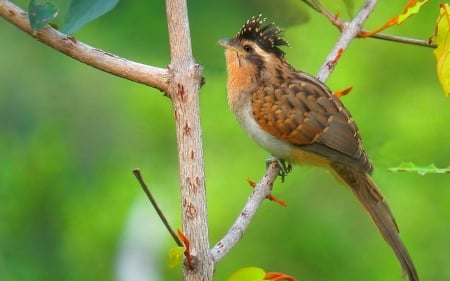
185, 79
260, 192
181, 81
179, 35
152, 76
350, 30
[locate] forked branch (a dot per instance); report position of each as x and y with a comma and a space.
149, 75
367, 34
350, 30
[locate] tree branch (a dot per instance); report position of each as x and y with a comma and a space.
401, 39
181, 81
162, 217
350, 30
184, 84
260, 192
152, 76
368, 34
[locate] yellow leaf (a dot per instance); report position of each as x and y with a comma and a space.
412, 7
248, 274
442, 52
176, 256
409, 10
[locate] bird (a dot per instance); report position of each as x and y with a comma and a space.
297, 119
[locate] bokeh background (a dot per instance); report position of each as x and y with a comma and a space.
70, 208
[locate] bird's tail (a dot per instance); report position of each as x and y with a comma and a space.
371, 199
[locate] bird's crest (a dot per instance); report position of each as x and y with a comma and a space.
268, 37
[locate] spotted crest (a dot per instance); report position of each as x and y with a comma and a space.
268, 37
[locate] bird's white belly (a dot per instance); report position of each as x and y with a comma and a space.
278, 148
273, 145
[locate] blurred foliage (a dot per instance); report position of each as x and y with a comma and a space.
70, 136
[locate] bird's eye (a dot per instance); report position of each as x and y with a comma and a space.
248, 48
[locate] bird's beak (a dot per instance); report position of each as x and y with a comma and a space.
225, 42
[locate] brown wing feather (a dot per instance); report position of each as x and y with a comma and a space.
305, 113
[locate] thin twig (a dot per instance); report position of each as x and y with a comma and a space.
138, 175
404, 40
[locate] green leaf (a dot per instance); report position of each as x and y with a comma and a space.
83, 11
248, 274
411, 167
176, 256
40, 14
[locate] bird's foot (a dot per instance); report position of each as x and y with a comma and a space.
284, 169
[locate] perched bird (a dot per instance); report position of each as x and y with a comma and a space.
296, 118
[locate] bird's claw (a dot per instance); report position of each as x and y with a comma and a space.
284, 169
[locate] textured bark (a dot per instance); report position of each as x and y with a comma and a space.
184, 84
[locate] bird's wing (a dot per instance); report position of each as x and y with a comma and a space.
306, 114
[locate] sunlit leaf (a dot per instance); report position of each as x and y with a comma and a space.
83, 11
421, 170
442, 52
176, 256
412, 7
41, 13
248, 274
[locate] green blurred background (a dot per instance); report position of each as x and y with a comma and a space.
70, 208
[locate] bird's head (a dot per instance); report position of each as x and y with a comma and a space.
254, 47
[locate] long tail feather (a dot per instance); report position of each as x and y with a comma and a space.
371, 199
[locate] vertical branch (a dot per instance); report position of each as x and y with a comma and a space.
184, 83
179, 34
